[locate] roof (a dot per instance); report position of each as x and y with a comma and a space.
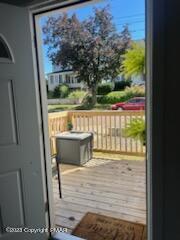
60, 71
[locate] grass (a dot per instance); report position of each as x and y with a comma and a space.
65, 107
102, 107
61, 107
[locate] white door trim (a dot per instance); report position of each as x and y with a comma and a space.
43, 121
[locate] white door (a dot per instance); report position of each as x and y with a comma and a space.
22, 187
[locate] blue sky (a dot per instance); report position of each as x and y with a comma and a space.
131, 12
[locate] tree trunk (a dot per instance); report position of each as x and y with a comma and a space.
93, 92
94, 97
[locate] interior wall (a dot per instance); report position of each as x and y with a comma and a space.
172, 121
165, 120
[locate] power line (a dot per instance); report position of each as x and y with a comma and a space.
127, 23
128, 20
131, 19
132, 16
137, 30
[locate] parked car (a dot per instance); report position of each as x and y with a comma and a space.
136, 103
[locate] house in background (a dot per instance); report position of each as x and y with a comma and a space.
64, 77
69, 77
137, 80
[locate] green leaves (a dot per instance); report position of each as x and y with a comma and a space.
121, 96
136, 130
61, 91
134, 61
77, 94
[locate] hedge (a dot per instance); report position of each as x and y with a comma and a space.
77, 94
104, 88
121, 96
121, 85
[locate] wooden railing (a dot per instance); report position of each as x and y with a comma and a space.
107, 128
57, 123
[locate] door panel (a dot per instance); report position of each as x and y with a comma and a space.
11, 185
22, 180
7, 119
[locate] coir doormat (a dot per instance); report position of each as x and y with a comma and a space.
98, 227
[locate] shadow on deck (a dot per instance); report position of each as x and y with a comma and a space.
115, 188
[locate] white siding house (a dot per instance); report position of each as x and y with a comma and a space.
69, 77
137, 80
64, 77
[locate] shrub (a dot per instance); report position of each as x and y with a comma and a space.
77, 94
113, 97
121, 96
61, 91
121, 85
64, 91
50, 94
56, 92
137, 130
135, 91
104, 88
69, 126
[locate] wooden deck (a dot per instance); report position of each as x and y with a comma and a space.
110, 187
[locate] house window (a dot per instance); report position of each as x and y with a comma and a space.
60, 78
78, 80
52, 79
72, 79
5, 54
57, 79
68, 78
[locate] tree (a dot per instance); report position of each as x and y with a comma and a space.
91, 47
134, 61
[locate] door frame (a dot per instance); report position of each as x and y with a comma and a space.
154, 115
43, 121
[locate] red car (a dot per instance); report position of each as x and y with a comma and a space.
137, 103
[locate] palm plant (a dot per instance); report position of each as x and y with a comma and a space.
137, 130
133, 63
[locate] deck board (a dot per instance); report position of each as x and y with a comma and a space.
115, 188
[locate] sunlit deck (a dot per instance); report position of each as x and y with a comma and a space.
110, 187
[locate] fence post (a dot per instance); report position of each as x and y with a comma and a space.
69, 117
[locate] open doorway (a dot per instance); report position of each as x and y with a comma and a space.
112, 183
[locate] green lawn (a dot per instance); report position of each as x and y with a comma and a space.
61, 107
